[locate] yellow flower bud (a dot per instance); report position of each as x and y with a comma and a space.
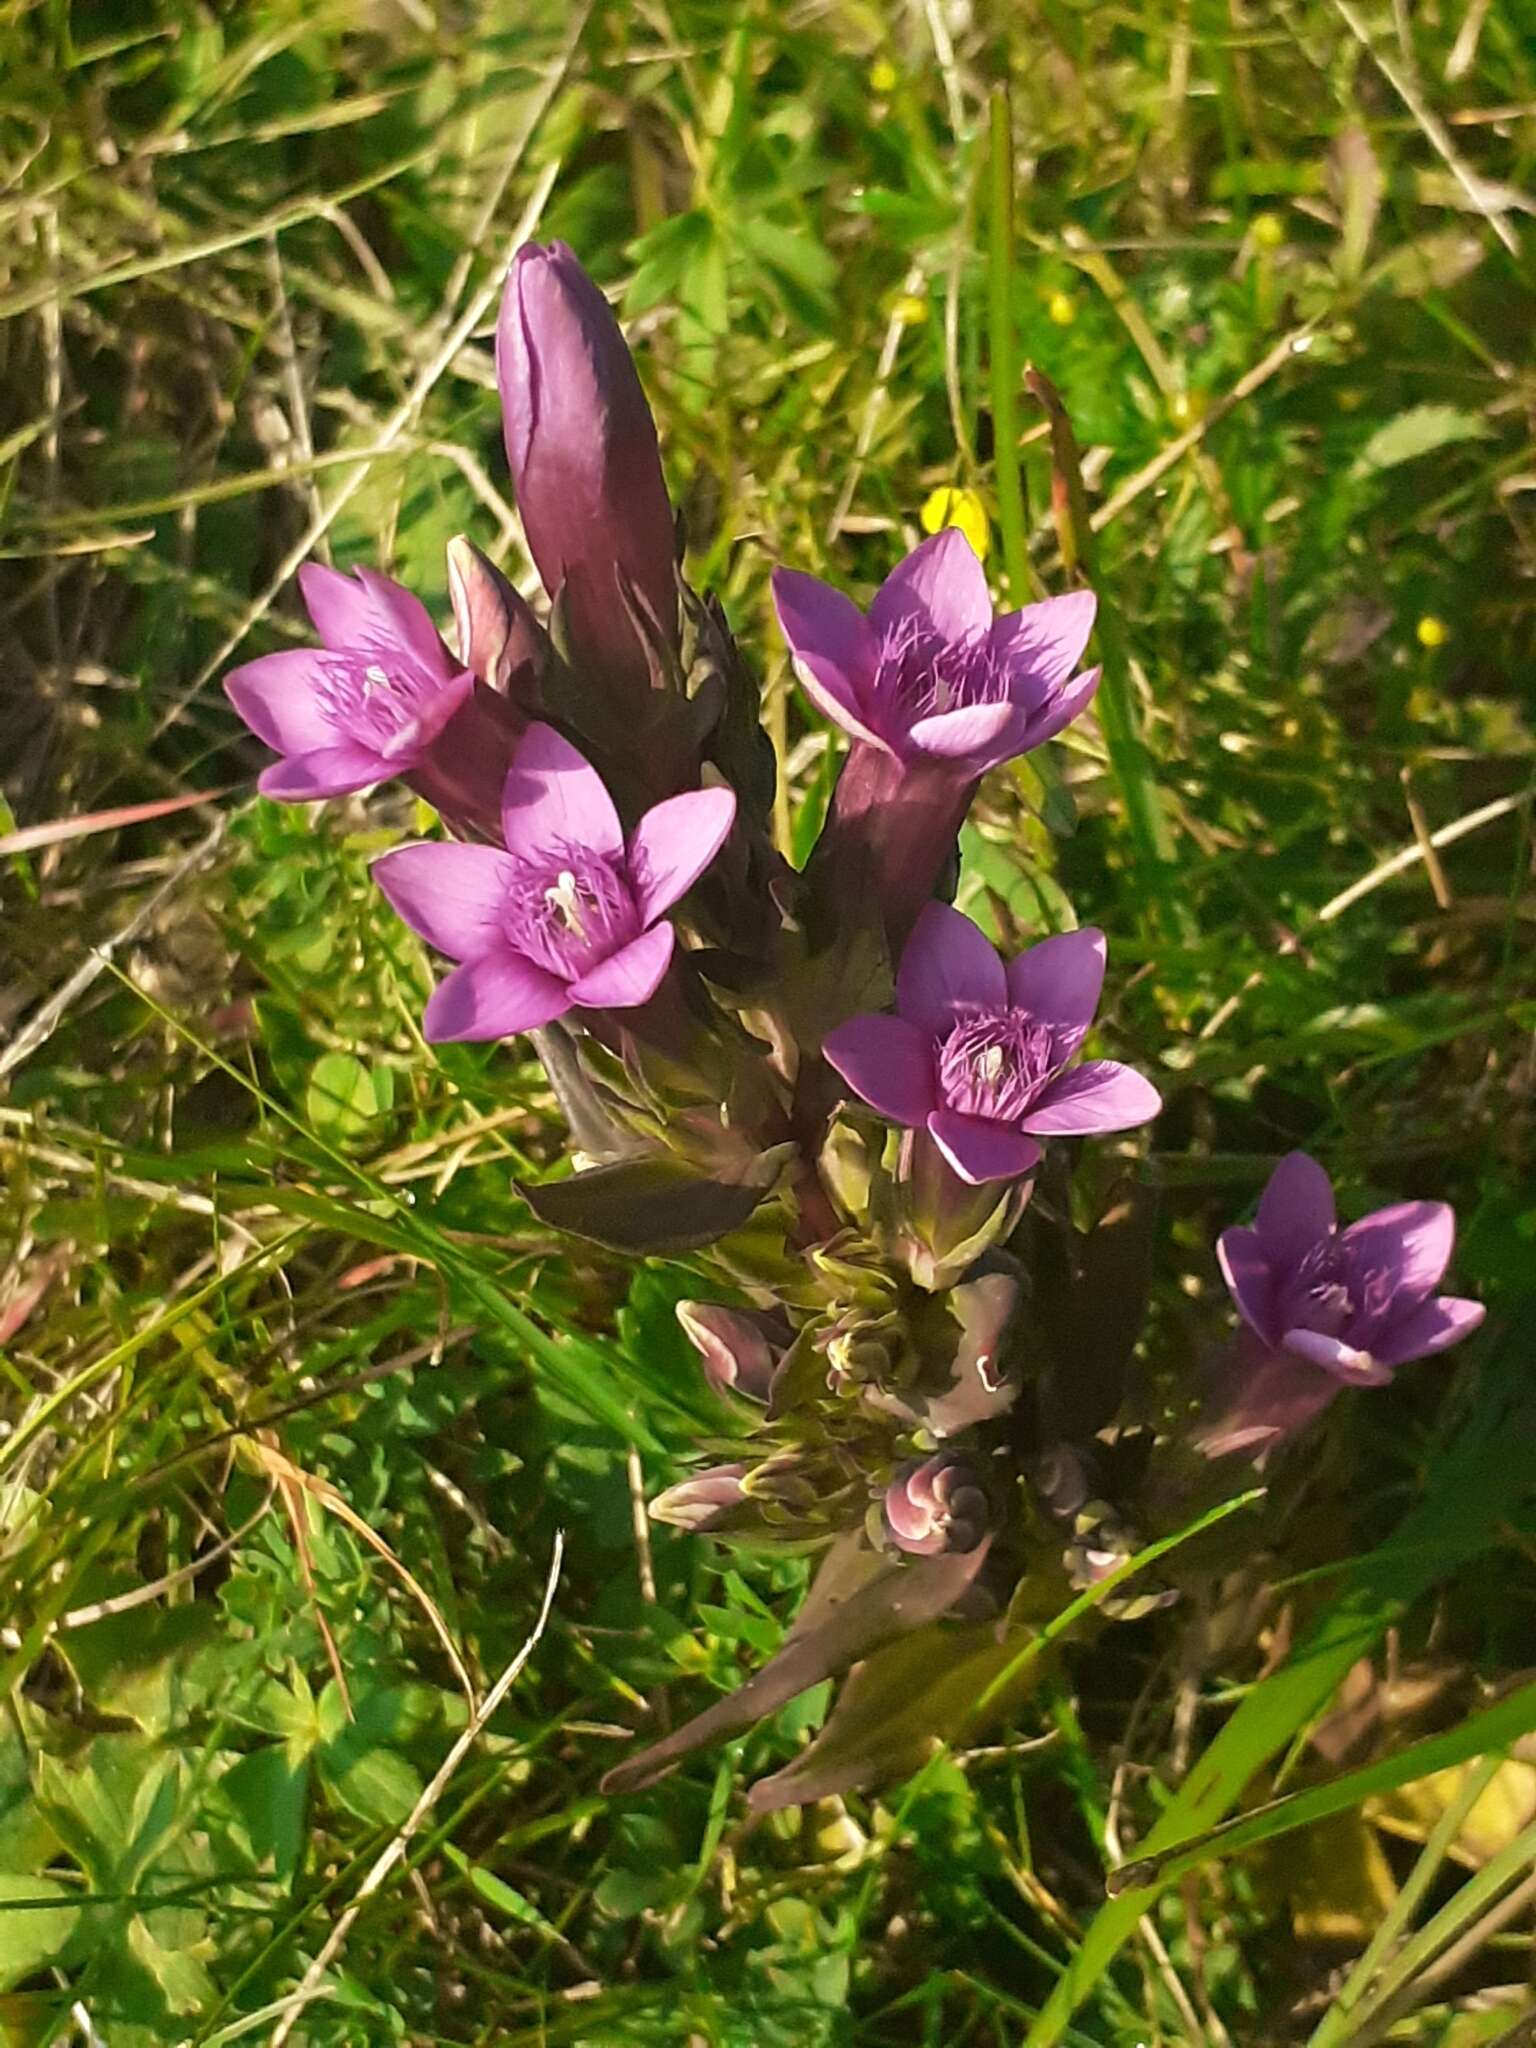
1432, 632
883, 75
1061, 309
910, 310
1268, 230
950, 507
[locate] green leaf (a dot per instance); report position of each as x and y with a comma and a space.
37, 1917
344, 1097
1419, 431
499, 1894
655, 1205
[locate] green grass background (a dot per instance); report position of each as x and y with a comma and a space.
263, 1252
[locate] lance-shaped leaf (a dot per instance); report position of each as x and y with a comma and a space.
901, 1704
860, 1600
655, 1206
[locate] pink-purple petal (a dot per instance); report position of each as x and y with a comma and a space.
279, 699
966, 736
402, 617
1433, 1326
1060, 979
1059, 709
947, 960
674, 843
343, 613
888, 1063
494, 997
452, 896
980, 1151
1295, 1210
554, 798
1408, 1246
1250, 1279
1259, 1399
332, 771
628, 977
1045, 641
942, 585
833, 648
1098, 1096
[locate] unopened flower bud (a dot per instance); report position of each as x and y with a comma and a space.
738, 1359
702, 1503
936, 1504
586, 469
499, 638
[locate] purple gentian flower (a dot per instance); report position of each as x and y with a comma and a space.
738, 1358
704, 1502
979, 1054
930, 674
586, 468
364, 707
566, 914
1328, 1308
935, 1505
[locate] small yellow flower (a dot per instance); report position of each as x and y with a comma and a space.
1061, 309
910, 310
1268, 230
883, 76
949, 507
1432, 632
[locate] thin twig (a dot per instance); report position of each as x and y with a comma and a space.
312, 1985
1434, 129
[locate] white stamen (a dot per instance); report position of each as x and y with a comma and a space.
565, 901
374, 678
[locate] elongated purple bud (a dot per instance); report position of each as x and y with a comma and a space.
586, 468
463, 772
934, 1505
499, 638
704, 1502
738, 1359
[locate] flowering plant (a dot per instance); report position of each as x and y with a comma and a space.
825, 1085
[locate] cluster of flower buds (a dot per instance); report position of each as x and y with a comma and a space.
826, 1084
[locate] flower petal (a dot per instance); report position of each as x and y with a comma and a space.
279, 699
674, 843
1259, 1398
833, 647
1059, 981
1350, 1367
453, 896
1100, 1095
967, 736
1059, 710
887, 1062
948, 960
1295, 1210
332, 771
1433, 1326
342, 611
980, 1151
402, 617
554, 798
494, 997
1250, 1279
628, 977
1044, 642
1402, 1251
942, 584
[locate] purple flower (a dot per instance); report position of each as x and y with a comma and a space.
934, 1505
499, 638
585, 464
566, 914
1327, 1308
930, 674
979, 1054
738, 1358
364, 707
704, 1502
